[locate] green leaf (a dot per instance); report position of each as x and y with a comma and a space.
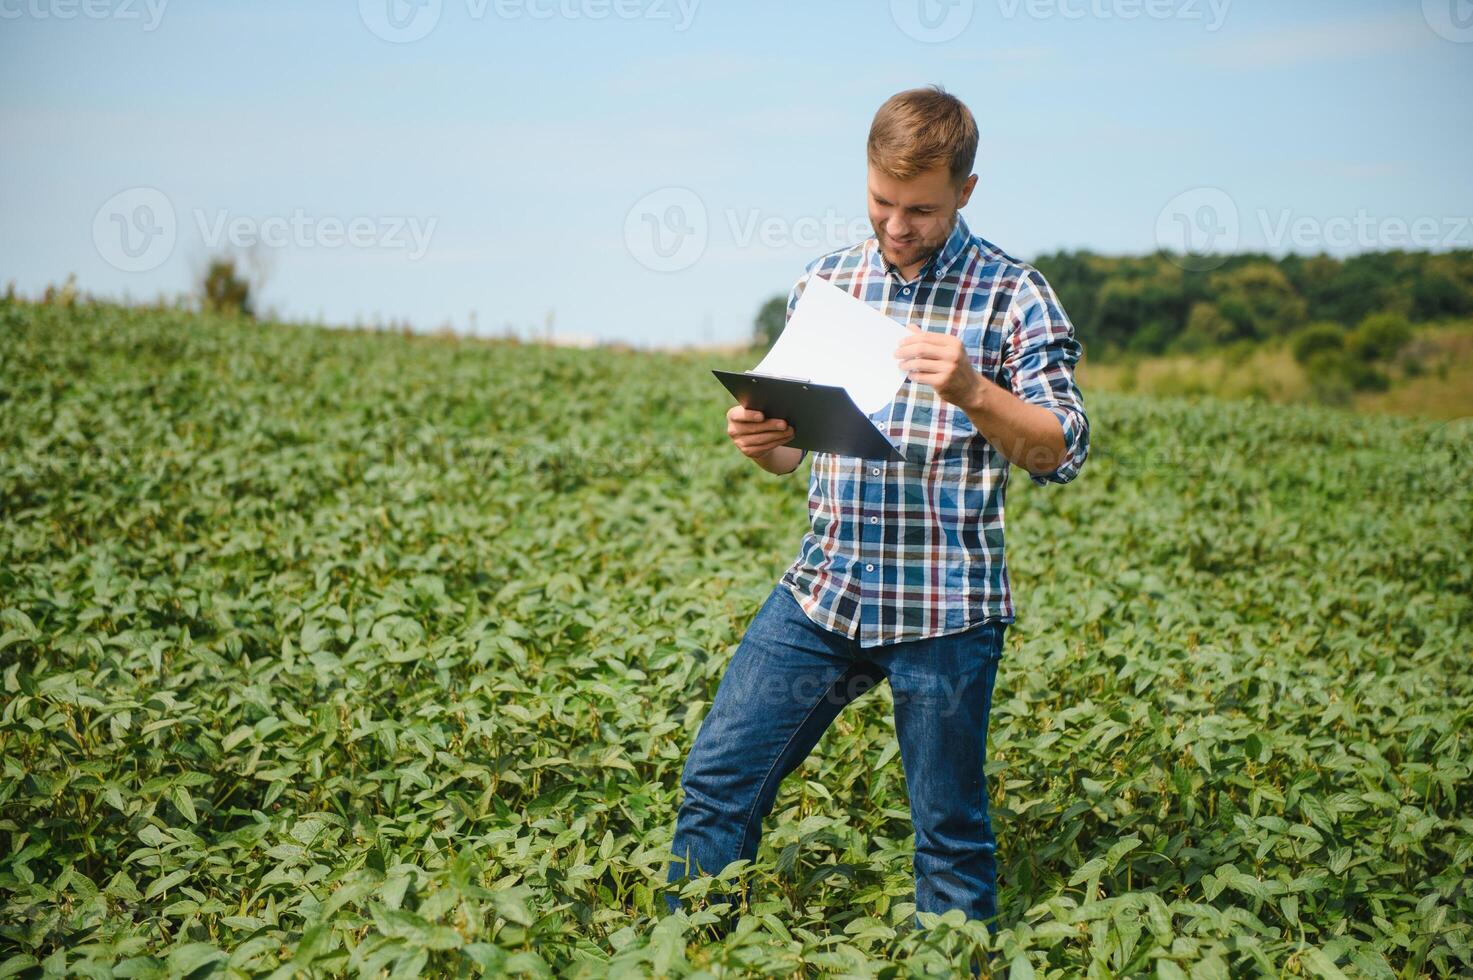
1118, 850
511, 904
1020, 968
185, 804
191, 956
165, 883
1088, 870
1320, 965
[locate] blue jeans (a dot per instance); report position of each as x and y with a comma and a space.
787, 681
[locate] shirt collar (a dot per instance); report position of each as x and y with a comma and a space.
937, 265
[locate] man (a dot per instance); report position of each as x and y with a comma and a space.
901, 576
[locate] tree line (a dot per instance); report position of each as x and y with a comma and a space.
1161, 304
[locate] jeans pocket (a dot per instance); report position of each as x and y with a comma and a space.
994, 636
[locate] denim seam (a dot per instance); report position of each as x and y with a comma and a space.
747, 824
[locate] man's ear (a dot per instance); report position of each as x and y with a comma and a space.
967, 188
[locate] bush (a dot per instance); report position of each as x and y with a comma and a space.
1379, 337
1365, 376
1330, 367
1238, 352
1206, 327
1316, 337
225, 291
1327, 381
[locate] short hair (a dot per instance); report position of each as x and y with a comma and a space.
918, 129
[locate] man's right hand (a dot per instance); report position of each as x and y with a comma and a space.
755, 434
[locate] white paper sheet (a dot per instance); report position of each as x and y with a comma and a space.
834, 339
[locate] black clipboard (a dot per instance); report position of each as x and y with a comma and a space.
824, 417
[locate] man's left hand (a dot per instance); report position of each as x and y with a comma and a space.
941, 361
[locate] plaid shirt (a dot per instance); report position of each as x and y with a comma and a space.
904, 550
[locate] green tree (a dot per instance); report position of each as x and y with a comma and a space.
224, 290
1309, 340
770, 321
1259, 300
1143, 306
1206, 327
1445, 287
1379, 337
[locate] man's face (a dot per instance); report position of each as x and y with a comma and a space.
912, 218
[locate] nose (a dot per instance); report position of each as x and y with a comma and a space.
897, 229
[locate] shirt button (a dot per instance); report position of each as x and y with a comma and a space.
869, 568
905, 291
874, 520
875, 470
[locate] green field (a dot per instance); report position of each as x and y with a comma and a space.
1434, 379
343, 653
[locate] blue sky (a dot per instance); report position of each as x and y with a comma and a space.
653, 170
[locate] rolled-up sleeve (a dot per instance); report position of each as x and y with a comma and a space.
1039, 357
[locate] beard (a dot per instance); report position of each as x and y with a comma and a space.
918, 250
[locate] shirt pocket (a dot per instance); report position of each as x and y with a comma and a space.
984, 343
958, 434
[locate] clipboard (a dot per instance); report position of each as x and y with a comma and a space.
824, 417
